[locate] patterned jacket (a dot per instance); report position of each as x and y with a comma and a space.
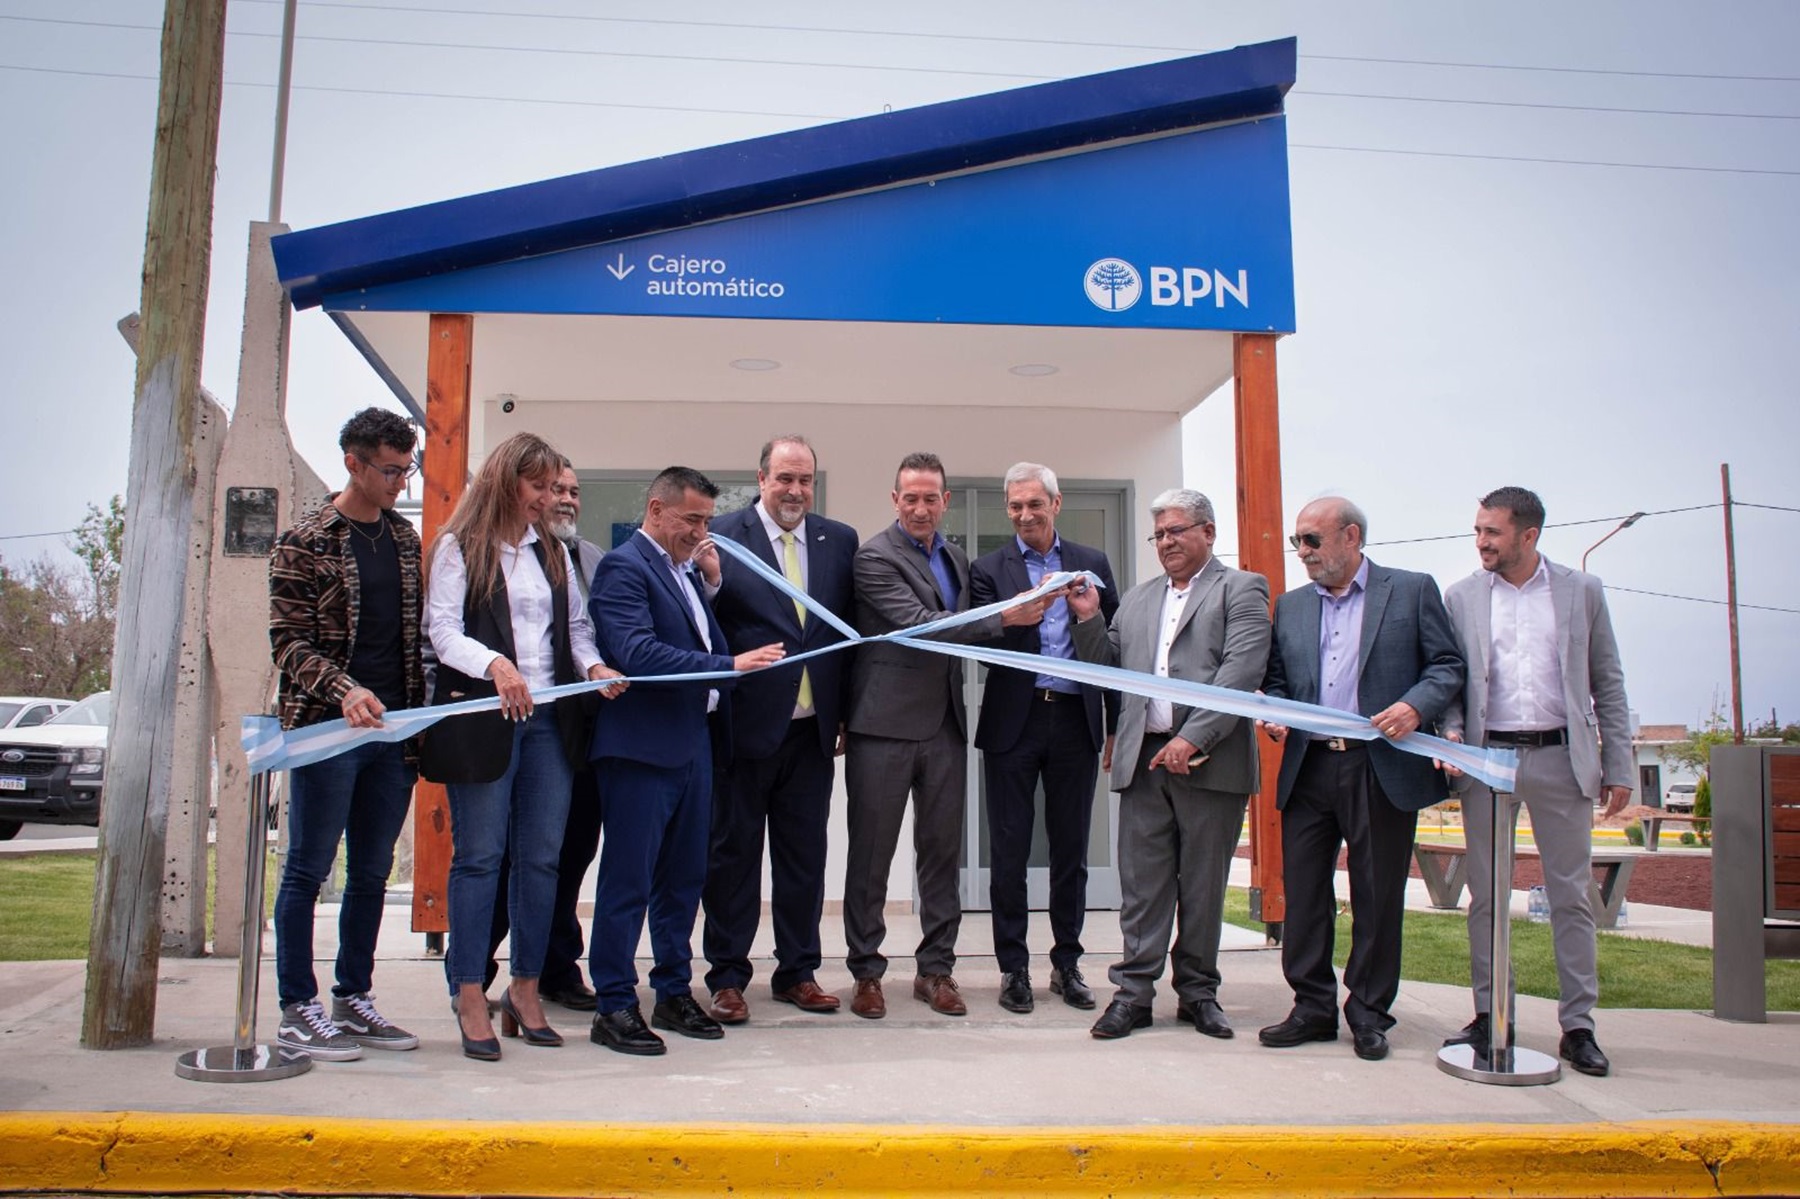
315, 596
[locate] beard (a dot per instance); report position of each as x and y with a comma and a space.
563, 526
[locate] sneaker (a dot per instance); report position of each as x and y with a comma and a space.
356, 1016
304, 1026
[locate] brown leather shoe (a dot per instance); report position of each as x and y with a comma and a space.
939, 990
867, 1002
728, 1006
808, 997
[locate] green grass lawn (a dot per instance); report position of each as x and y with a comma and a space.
1634, 973
47, 903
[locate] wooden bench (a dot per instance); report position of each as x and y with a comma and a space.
1445, 869
1654, 818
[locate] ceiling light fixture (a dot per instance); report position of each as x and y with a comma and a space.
1033, 370
755, 364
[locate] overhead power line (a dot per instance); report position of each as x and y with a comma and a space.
1008, 39
1695, 599
1564, 524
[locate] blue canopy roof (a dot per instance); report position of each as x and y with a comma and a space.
784, 169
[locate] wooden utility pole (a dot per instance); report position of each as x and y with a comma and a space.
1731, 608
1260, 549
127, 927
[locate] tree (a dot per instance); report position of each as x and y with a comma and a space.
56, 624
1696, 752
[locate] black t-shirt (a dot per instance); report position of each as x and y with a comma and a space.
378, 660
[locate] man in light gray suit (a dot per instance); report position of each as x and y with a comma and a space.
1544, 679
908, 735
1184, 774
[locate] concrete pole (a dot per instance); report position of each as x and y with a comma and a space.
126, 938
258, 459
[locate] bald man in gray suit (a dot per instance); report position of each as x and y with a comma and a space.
1544, 679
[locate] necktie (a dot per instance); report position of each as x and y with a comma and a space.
790, 566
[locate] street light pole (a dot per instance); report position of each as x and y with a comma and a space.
1624, 524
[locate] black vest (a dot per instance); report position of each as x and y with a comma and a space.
476, 748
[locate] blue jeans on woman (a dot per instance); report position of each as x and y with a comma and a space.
526, 808
359, 797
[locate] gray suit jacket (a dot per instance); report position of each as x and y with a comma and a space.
1223, 639
1408, 653
1599, 727
897, 691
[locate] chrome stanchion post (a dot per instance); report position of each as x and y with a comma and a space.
244, 1060
1504, 1065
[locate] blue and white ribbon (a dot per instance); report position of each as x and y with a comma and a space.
268, 747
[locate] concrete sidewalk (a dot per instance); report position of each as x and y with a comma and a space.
1048, 1108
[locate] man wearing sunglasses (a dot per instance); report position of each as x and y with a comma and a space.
1376, 641
1184, 774
1546, 681
344, 627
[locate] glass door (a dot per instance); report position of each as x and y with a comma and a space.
1093, 515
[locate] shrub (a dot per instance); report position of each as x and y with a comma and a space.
1703, 809
1688, 838
1634, 833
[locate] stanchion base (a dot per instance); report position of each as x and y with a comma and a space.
227, 1063
1529, 1067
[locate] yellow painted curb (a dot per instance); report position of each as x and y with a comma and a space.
153, 1153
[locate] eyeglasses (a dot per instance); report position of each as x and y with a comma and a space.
1173, 531
1311, 541
393, 474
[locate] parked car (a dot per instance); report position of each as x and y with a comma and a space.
54, 773
29, 711
1679, 797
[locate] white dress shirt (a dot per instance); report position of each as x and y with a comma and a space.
1525, 680
528, 600
1160, 718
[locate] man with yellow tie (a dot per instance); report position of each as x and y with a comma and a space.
787, 729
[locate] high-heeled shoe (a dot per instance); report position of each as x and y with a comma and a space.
512, 1025
486, 1050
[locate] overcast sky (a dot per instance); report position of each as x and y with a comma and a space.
1535, 243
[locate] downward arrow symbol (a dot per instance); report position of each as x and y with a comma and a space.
621, 270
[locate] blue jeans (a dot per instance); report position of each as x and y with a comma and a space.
526, 808
360, 797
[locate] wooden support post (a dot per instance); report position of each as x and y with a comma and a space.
126, 935
1260, 542
446, 473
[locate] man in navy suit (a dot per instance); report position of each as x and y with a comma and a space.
1377, 641
786, 730
654, 762
1038, 727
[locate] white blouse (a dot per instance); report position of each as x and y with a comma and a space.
528, 598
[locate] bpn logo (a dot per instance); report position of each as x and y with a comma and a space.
1113, 284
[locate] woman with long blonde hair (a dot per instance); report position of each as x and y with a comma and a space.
505, 616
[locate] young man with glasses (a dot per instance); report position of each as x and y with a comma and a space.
1184, 775
344, 608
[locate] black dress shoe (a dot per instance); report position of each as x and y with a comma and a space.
682, 1014
1209, 1018
1119, 1019
1371, 1042
1015, 991
1072, 987
578, 997
1298, 1030
1475, 1035
1579, 1049
624, 1031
